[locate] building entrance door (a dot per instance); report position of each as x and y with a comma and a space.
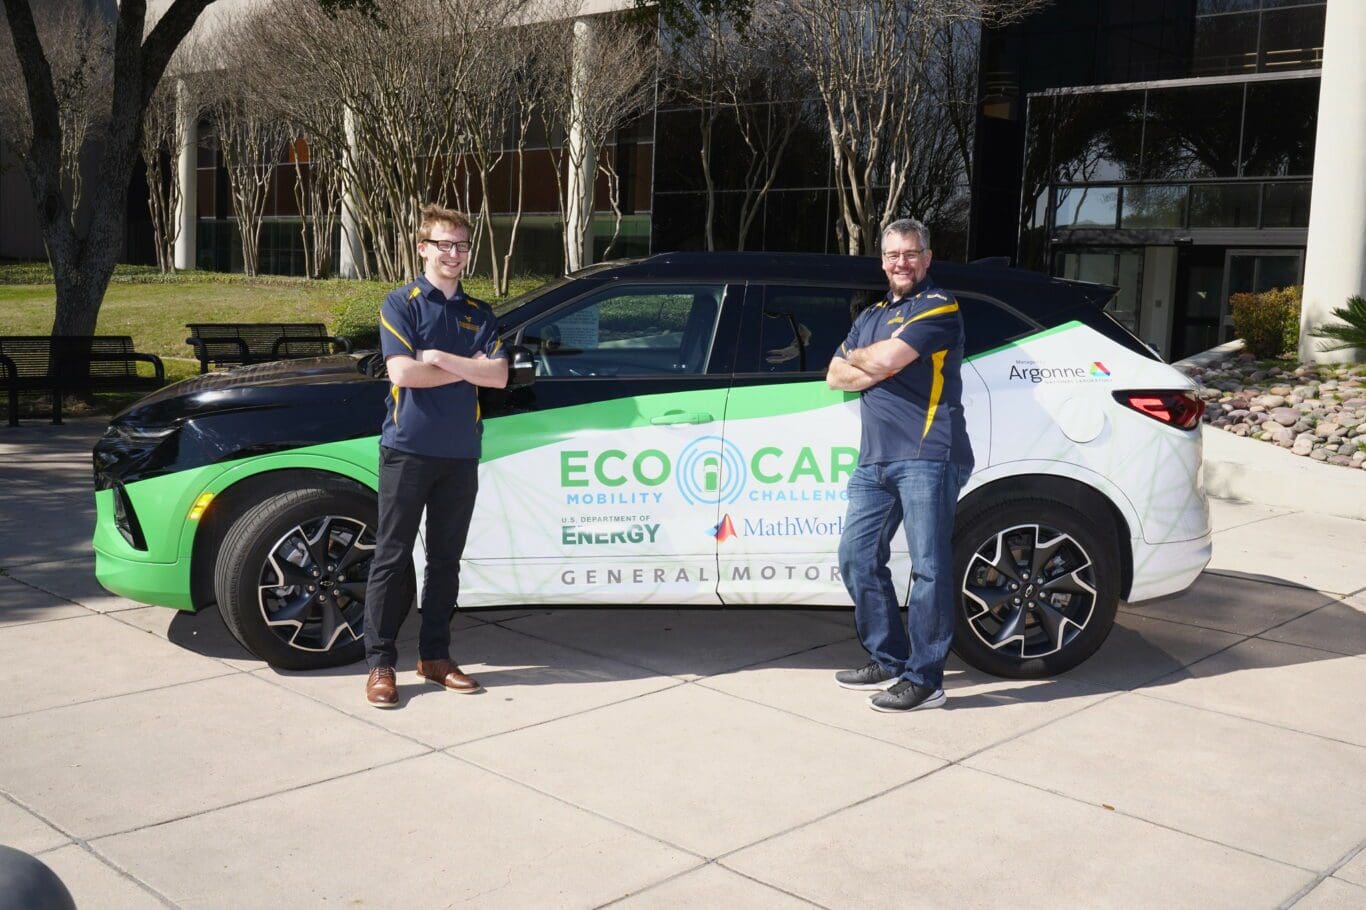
1199, 289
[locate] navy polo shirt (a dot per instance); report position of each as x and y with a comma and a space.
917, 412
442, 421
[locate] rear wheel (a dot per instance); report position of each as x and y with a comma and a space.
291, 577
1038, 587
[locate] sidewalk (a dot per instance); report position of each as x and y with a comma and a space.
1212, 754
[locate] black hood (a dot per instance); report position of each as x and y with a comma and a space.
252, 410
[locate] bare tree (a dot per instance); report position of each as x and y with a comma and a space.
499, 97
593, 98
81, 71
251, 137
874, 63
161, 147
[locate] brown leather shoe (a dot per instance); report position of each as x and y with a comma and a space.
447, 673
381, 688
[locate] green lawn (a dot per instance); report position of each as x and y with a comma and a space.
154, 310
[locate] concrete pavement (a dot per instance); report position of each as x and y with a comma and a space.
1212, 754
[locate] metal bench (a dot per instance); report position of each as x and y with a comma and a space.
235, 343
72, 364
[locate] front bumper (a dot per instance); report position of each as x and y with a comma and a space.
1168, 568
161, 584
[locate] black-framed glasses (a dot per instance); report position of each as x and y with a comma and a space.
908, 255
445, 246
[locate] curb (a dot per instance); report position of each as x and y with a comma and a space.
1248, 470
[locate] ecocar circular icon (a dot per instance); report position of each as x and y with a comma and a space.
650, 401
711, 470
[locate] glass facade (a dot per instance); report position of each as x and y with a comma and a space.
1168, 157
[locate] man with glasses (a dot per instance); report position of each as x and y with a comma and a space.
904, 356
439, 345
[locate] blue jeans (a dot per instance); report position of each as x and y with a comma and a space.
925, 495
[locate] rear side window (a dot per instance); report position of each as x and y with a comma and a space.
801, 326
988, 325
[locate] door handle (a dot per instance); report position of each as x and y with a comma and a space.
673, 417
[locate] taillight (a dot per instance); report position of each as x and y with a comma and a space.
1180, 409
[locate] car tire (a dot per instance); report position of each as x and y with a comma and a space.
290, 577
1007, 622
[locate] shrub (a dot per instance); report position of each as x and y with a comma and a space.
1350, 334
1268, 322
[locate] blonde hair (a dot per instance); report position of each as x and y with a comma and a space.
433, 215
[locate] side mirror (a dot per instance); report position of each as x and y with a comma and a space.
521, 367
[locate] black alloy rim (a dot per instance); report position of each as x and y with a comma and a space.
312, 587
1029, 591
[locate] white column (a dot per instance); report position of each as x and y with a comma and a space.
1335, 263
187, 175
579, 207
352, 250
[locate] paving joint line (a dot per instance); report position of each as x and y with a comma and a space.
260, 796
1226, 631
82, 843
573, 805
1244, 524
1323, 876
1106, 807
711, 862
100, 698
1254, 720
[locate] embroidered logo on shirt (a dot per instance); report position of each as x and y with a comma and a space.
467, 324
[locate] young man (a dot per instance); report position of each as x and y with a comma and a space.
904, 355
439, 345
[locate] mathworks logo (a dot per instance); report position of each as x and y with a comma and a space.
1099, 369
724, 530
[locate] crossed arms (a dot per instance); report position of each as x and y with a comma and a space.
865, 367
430, 368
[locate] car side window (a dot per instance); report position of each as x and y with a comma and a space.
987, 325
629, 331
801, 327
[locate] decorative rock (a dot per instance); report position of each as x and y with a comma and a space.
1237, 403
1303, 445
1286, 417
1348, 448
1340, 459
1270, 401
1302, 426
1283, 436
1319, 455
1280, 390
1240, 429
1326, 429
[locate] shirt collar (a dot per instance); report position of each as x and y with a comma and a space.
432, 292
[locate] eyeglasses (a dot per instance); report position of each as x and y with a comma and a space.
445, 246
908, 255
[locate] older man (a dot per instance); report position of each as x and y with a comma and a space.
904, 356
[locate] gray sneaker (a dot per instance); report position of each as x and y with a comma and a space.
905, 695
870, 676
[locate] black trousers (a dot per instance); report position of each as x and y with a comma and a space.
446, 488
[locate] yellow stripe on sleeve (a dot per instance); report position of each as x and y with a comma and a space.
936, 389
937, 311
393, 390
384, 322
417, 289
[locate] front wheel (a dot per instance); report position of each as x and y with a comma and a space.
1038, 587
291, 577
